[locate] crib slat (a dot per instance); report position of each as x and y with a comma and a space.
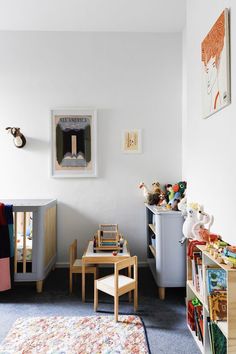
24, 243
15, 242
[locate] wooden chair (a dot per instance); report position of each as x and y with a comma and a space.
117, 285
76, 264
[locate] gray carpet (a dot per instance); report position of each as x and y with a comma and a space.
164, 320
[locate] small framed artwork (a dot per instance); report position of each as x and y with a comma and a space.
131, 141
74, 143
216, 67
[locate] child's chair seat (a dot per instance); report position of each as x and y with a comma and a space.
108, 283
78, 263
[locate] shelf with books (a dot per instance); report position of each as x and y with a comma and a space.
194, 290
218, 298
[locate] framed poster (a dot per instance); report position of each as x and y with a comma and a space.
131, 141
74, 142
215, 67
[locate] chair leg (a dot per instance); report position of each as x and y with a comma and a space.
71, 280
130, 275
116, 307
135, 299
95, 296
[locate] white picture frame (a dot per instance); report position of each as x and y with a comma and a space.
132, 141
73, 142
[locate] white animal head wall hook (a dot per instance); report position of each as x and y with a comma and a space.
19, 139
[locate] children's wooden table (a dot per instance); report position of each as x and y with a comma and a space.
102, 257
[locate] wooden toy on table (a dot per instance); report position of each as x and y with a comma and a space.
108, 238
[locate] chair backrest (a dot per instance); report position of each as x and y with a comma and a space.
73, 252
132, 261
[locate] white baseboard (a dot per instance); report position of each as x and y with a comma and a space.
142, 264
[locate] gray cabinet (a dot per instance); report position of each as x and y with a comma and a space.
35, 239
165, 255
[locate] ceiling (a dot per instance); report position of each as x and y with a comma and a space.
93, 15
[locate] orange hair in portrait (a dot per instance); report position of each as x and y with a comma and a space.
213, 44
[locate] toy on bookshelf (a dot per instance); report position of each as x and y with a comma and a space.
190, 221
155, 196
168, 198
201, 229
175, 193
197, 224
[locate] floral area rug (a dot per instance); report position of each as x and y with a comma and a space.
76, 335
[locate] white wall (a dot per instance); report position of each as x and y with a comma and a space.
209, 162
134, 80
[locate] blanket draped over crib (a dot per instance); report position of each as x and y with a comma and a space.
6, 247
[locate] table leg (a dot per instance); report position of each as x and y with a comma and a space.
83, 281
129, 275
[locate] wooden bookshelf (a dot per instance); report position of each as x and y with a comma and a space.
228, 328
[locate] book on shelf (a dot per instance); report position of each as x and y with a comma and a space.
218, 342
216, 279
195, 319
197, 271
217, 301
210, 335
199, 321
200, 278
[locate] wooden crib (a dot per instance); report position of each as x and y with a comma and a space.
34, 239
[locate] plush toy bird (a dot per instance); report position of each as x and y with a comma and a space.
153, 197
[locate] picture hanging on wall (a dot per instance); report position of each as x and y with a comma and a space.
74, 139
131, 141
215, 67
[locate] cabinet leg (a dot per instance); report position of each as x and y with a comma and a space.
39, 286
161, 293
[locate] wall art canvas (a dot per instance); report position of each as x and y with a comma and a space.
131, 141
215, 67
74, 139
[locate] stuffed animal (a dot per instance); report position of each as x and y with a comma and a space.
182, 206
152, 197
191, 219
203, 219
207, 236
169, 192
177, 192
